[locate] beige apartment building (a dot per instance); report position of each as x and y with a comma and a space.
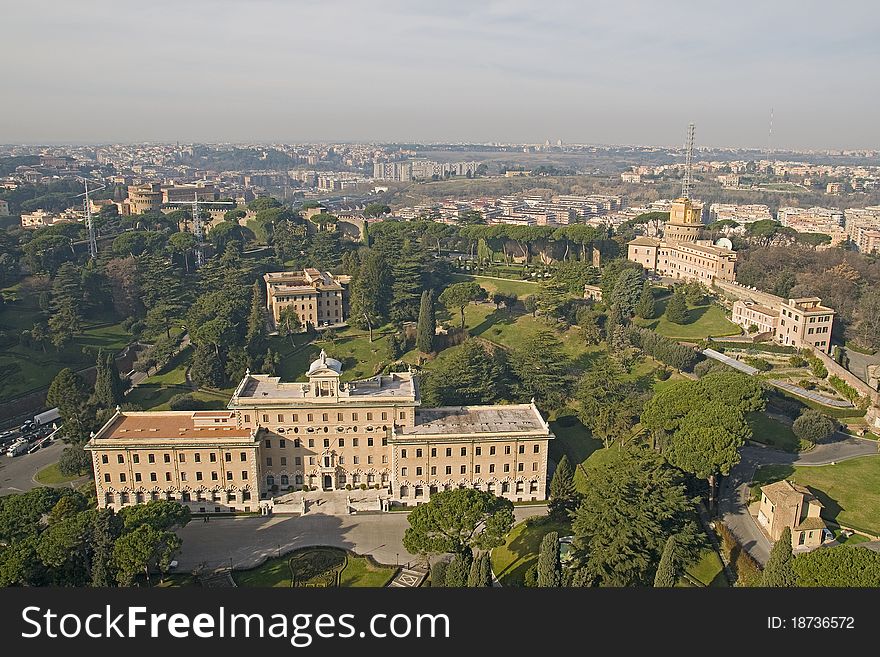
784, 504
324, 433
318, 297
150, 197
748, 313
805, 322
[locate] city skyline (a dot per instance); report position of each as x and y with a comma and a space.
392, 72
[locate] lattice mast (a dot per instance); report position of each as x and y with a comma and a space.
90, 224
688, 163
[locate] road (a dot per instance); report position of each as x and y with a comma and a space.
245, 542
735, 493
17, 474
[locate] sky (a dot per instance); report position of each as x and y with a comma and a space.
598, 72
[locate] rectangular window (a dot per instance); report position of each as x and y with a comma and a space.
214, 476
151, 458
120, 458
325, 417
354, 417
294, 417
311, 442
268, 460
520, 467
492, 450
244, 474
433, 452
403, 453
242, 456
104, 459
197, 457
491, 468
282, 443
137, 476
281, 417
537, 449
402, 415
247, 418
403, 472
448, 469
418, 453
354, 442
477, 469
268, 444
448, 451
181, 457
463, 469
507, 467
297, 460
311, 460
107, 477
418, 472
265, 417
369, 441
369, 416
198, 476
384, 415
478, 451
183, 476
152, 476
522, 449
326, 443
228, 475
283, 461
507, 449
135, 458
212, 457
342, 442
433, 470
167, 476
464, 451
227, 457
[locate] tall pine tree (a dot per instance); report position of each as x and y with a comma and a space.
427, 326
406, 288
646, 308
255, 337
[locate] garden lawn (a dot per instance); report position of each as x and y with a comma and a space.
175, 372
520, 288
703, 321
709, 570
361, 572
849, 491
520, 551
770, 432
360, 358
572, 439
51, 476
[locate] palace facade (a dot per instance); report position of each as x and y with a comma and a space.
316, 296
325, 434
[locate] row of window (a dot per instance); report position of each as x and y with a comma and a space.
325, 417
341, 480
153, 496
519, 486
478, 451
183, 475
818, 329
181, 457
520, 467
356, 460
297, 443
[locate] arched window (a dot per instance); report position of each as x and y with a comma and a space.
298, 480
270, 481
284, 480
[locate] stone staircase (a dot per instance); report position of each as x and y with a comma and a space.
410, 577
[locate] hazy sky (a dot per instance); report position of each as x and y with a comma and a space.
595, 72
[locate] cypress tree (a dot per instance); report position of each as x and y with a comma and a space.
256, 327
779, 571
667, 573
108, 386
549, 571
458, 570
485, 570
563, 496
427, 325
438, 574
406, 287
646, 308
473, 580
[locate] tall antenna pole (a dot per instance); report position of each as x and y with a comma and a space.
770, 133
686, 183
93, 242
199, 232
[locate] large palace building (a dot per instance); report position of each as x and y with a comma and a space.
681, 253
323, 433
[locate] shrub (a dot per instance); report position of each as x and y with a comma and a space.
758, 363
667, 351
347, 486
797, 361
185, 402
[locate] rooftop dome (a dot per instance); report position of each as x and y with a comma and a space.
324, 363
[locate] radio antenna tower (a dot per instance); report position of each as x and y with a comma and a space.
770, 133
198, 227
90, 224
688, 163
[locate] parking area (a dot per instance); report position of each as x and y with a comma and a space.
17, 473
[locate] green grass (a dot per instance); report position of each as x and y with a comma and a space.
360, 358
830, 411
175, 372
709, 570
24, 370
520, 551
521, 288
849, 491
51, 476
703, 321
771, 432
361, 572
272, 573
572, 439
317, 565
153, 397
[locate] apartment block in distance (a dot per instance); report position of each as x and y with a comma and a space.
324, 433
317, 296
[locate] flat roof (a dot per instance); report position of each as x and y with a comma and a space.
128, 428
477, 420
266, 389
